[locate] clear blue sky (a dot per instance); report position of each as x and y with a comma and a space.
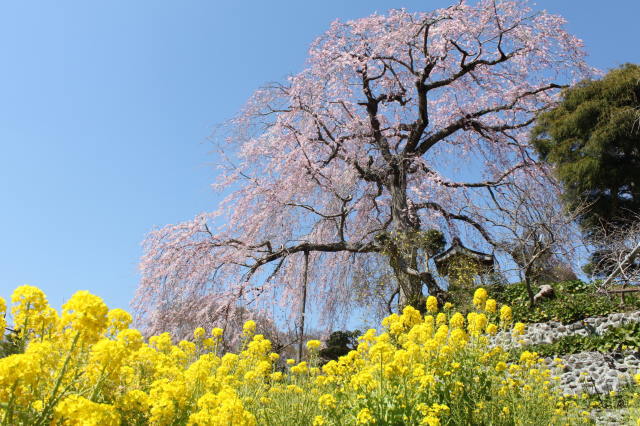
106, 107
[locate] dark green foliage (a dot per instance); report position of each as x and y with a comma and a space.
616, 400
615, 339
11, 344
593, 139
574, 301
433, 241
339, 343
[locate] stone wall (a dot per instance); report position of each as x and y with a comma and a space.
549, 332
590, 372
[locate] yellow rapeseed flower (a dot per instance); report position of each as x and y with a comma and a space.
190, 383
432, 304
3, 309
300, 368
118, 320
312, 345
365, 417
506, 315
518, 329
86, 314
29, 306
77, 410
319, 421
457, 320
249, 327
480, 297
199, 333
327, 401
491, 306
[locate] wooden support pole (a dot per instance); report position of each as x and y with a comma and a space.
303, 304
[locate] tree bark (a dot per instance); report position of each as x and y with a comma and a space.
527, 282
404, 259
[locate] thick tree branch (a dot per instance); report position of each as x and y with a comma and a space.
470, 121
489, 183
461, 217
312, 247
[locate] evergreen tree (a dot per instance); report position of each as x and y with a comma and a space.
592, 137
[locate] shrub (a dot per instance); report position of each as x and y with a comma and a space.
574, 301
338, 344
10, 344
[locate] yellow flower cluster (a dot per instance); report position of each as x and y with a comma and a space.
77, 410
506, 315
480, 298
87, 367
3, 310
432, 304
312, 345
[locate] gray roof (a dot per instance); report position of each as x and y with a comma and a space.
457, 248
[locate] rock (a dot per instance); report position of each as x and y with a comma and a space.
574, 326
546, 292
617, 316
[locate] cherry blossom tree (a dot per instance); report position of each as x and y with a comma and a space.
531, 225
393, 128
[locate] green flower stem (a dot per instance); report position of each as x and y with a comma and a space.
52, 399
9, 415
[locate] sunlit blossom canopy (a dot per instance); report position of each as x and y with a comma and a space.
397, 123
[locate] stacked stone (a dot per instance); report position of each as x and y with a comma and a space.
590, 372
595, 372
549, 332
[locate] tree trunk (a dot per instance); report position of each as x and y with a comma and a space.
410, 289
527, 282
404, 259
